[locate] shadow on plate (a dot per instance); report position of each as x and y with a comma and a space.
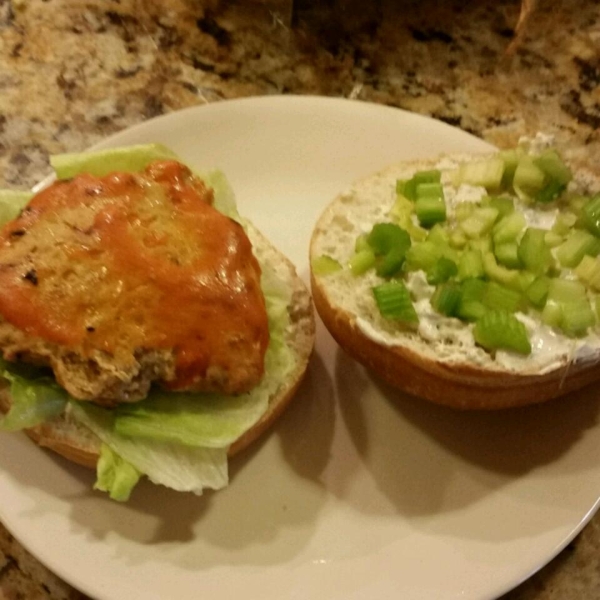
426, 459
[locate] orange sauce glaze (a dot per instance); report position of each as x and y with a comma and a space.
196, 298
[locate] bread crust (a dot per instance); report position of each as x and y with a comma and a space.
460, 385
64, 437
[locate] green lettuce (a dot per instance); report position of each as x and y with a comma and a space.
11, 203
116, 476
34, 398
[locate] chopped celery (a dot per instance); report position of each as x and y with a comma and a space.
385, 236
361, 243
498, 297
564, 223
441, 271
533, 252
407, 188
577, 317
551, 191
482, 245
537, 292
486, 173
430, 190
507, 255
576, 246
500, 330
430, 210
457, 239
428, 176
566, 290
391, 263
511, 160
422, 255
529, 179
588, 271
446, 299
470, 265
503, 204
480, 221
498, 273
590, 215
362, 261
402, 212
464, 210
471, 307
438, 234
509, 228
394, 303
522, 282
552, 314
553, 239
597, 307
553, 166
324, 265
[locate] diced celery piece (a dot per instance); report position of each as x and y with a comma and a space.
361, 243
577, 317
552, 314
577, 202
486, 173
529, 179
500, 330
507, 255
496, 272
576, 246
422, 255
551, 191
402, 212
509, 228
511, 160
590, 215
553, 239
597, 307
11, 204
588, 271
464, 210
407, 188
394, 303
430, 210
324, 265
479, 222
470, 265
430, 190
446, 299
566, 290
443, 270
362, 261
391, 263
498, 297
438, 234
428, 176
522, 282
471, 307
564, 223
553, 165
503, 204
533, 252
102, 162
385, 236
483, 245
537, 292
457, 239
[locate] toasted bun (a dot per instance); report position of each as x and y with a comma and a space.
69, 438
441, 365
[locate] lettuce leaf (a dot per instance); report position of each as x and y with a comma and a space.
178, 467
11, 203
35, 399
116, 476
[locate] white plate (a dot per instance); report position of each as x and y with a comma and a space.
359, 492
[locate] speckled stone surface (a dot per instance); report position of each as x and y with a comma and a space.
75, 71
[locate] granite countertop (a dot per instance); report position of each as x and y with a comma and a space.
74, 71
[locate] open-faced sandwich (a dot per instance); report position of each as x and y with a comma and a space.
472, 281
145, 327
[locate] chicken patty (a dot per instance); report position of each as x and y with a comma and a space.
129, 279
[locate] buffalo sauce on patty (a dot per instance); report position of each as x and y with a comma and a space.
107, 269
